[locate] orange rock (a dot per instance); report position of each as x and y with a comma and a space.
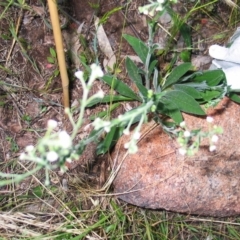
158, 177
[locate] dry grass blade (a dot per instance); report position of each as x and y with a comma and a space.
11, 221
231, 4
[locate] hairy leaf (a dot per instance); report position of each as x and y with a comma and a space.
133, 73
209, 95
105, 113
110, 140
184, 102
168, 107
138, 46
176, 74
120, 87
108, 99
234, 97
211, 77
152, 67
189, 90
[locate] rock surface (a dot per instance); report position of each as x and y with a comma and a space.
158, 177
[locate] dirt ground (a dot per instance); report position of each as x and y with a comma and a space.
30, 94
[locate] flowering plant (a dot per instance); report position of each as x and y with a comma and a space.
189, 141
56, 147
163, 97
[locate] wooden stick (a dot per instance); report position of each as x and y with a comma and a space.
52, 4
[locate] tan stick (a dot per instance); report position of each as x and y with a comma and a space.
59, 49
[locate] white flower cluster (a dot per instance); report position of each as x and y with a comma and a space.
51, 147
154, 6
132, 144
189, 141
95, 73
99, 123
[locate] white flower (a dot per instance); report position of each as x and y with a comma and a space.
214, 138
182, 151
65, 140
52, 124
212, 148
187, 134
106, 125
99, 94
209, 119
79, 74
159, 8
145, 12
182, 124
96, 71
132, 148
107, 129
22, 156
29, 148
126, 131
126, 145
120, 117
99, 123
151, 13
136, 135
52, 156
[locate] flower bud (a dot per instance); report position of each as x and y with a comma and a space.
212, 148
52, 124
182, 151
52, 156
209, 119
214, 138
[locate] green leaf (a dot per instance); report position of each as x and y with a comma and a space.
133, 73
191, 76
176, 74
39, 191
120, 87
185, 31
152, 67
169, 108
234, 97
118, 211
53, 52
56, 72
189, 90
110, 140
211, 77
138, 46
185, 55
184, 102
109, 14
201, 86
209, 95
50, 60
105, 113
109, 99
